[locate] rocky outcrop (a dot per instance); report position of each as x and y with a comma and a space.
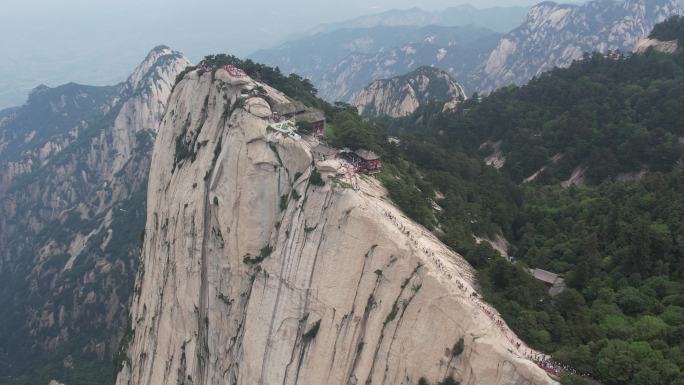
403, 95
657, 45
251, 273
496, 158
553, 35
74, 171
150, 84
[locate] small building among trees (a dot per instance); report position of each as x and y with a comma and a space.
315, 120
309, 120
364, 160
554, 281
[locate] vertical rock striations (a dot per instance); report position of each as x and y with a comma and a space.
251, 274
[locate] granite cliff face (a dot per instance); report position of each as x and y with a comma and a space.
402, 95
73, 170
253, 272
553, 35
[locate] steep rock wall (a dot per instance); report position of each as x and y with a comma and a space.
554, 35
250, 274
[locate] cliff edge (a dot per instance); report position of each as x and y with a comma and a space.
253, 271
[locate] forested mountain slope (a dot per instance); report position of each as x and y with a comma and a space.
586, 180
671, 29
609, 116
73, 169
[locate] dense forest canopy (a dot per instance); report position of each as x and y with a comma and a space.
670, 29
617, 238
608, 115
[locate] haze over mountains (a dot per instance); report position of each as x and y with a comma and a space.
366, 54
499, 19
259, 258
550, 35
73, 169
97, 42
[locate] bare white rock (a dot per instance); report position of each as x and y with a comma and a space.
555, 35
348, 291
657, 45
402, 95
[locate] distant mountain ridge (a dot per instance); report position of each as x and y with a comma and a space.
403, 95
479, 59
500, 19
368, 54
553, 35
73, 175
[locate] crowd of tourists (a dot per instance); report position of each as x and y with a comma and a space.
541, 360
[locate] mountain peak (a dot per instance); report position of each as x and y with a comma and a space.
247, 260
94, 142
159, 61
554, 35
160, 48
38, 90
426, 69
403, 95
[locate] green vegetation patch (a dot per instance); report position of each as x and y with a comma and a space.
312, 333
670, 29
263, 254
315, 179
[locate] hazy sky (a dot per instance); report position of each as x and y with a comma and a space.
248, 25
101, 41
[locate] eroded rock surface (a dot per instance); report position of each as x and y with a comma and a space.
659, 46
554, 35
252, 275
402, 95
